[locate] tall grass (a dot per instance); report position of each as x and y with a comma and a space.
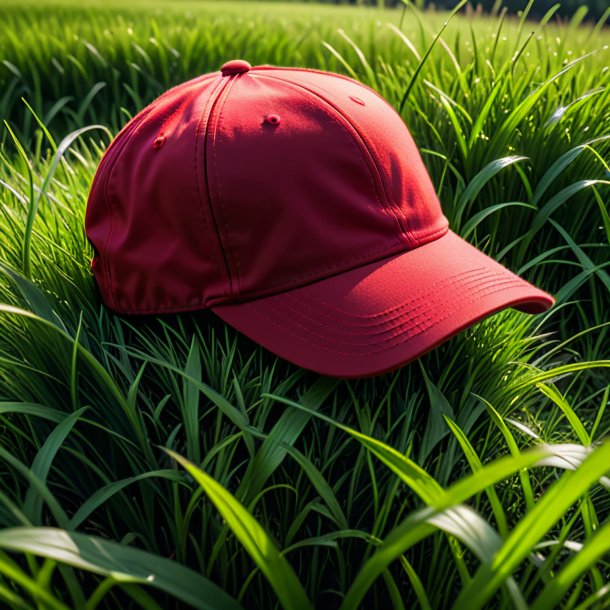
171, 463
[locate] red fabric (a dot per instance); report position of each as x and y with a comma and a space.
255, 182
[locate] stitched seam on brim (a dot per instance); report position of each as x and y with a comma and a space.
389, 323
479, 272
413, 315
403, 339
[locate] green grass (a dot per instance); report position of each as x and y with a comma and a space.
171, 463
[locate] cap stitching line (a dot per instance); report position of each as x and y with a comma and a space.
341, 76
418, 322
409, 308
483, 283
396, 211
233, 252
207, 108
343, 121
419, 326
479, 273
202, 302
471, 274
193, 306
402, 336
428, 233
367, 142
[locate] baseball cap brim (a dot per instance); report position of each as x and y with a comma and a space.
378, 317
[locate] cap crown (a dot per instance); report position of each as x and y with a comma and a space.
244, 184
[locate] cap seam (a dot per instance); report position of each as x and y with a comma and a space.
205, 115
253, 296
386, 206
218, 107
431, 234
371, 257
187, 308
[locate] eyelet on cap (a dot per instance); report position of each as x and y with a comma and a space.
159, 141
357, 100
273, 119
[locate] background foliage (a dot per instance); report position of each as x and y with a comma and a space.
594, 9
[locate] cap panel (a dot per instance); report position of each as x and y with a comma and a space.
407, 183
160, 253
295, 199
99, 218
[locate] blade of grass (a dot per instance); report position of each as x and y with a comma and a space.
255, 540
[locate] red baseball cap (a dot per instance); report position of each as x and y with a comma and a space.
295, 205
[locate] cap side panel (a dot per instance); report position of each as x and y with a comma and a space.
397, 157
383, 198
360, 136
100, 213
161, 250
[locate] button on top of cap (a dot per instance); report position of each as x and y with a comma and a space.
235, 66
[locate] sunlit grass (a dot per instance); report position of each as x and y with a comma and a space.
164, 462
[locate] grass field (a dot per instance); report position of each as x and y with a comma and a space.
171, 463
